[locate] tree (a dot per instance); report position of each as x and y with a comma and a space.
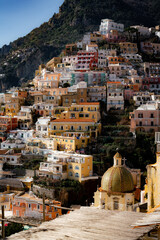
13, 228
65, 85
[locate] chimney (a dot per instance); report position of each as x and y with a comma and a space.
8, 189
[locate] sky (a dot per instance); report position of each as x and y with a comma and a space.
19, 17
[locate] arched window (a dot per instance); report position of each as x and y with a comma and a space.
70, 174
76, 174
77, 167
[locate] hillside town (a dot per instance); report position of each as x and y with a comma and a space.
52, 126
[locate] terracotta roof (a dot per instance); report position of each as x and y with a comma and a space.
72, 120
89, 103
114, 82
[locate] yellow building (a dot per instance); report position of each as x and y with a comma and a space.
39, 145
72, 143
53, 63
117, 188
152, 187
86, 110
68, 165
59, 126
13, 106
80, 167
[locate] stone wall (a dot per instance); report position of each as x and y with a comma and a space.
49, 193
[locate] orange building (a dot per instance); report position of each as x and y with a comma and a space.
8, 123
115, 60
30, 206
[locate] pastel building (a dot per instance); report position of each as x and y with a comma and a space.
24, 117
72, 141
115, 95
42, 126
59, 126
30, 206
128, 47
144, 31
13, 106
7, 123
74, 97
152, 69
40, 145
64, 165
84, 110
107, 25
96, 93
91, 78
141, 98
152, 189
145, 118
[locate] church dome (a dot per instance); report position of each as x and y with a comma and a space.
118, 178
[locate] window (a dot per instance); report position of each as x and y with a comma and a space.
152, 115
152, 123
17, 213
72, 128
38, 207
140, 115
115, 204
70, 166
77, 167
76, 174
29, 205
70, 174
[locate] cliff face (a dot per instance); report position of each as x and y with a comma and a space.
19, 60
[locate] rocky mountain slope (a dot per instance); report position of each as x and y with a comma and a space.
19, 60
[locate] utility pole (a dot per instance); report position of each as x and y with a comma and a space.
3, 226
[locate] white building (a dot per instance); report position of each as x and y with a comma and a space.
107, 25
77, 86
132, 57
13, 143
24, 135
157, 33
86, 40
42, 126
142, 30
10, 157
91, 47
24, 117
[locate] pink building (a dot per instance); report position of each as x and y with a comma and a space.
145, 118
128, 93
114, 36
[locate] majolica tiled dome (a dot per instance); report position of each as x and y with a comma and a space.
117, 179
